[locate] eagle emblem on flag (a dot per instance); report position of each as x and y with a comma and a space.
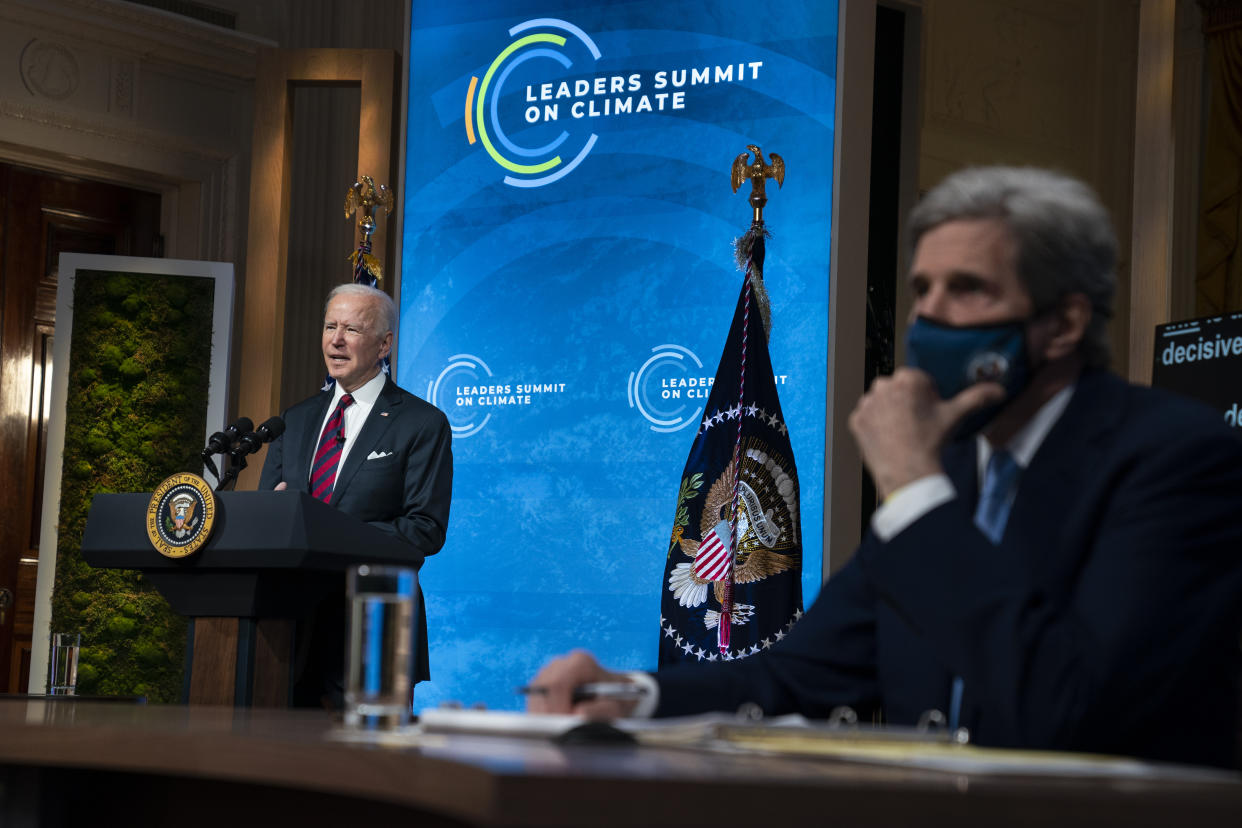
767, 531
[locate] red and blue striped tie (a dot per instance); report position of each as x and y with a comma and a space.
328, 455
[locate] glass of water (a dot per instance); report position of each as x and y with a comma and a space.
379, 660
62, 674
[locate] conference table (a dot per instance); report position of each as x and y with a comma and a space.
67, 762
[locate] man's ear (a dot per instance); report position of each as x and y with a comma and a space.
386, 345
1067, 326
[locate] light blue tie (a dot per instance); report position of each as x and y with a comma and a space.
997, 494
991, 514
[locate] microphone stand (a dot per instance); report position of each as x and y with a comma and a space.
248, 443
230, 475
210, 464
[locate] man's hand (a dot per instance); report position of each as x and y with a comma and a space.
280, 487
553, 688
901, 423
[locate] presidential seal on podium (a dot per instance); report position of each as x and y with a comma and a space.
180, 515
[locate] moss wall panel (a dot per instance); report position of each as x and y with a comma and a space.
136, 413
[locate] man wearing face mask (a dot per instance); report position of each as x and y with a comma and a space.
1057, 561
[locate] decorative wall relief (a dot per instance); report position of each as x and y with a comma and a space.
49, 70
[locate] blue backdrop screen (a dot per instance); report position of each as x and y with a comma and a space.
567, 287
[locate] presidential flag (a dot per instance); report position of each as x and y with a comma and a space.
732, 578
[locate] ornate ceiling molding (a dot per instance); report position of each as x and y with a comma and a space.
162, 143
152, 33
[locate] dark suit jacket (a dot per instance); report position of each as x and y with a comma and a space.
1107, 619
405, 493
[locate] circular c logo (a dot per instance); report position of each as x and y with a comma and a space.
463, 369
666, 390
530, 166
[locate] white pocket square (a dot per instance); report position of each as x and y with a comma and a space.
376, 455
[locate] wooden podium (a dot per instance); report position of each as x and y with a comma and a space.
271, 557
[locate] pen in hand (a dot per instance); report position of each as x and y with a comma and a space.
621, 690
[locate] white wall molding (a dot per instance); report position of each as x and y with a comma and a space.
150, 33
125, 138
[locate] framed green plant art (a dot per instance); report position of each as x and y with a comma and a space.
139, 382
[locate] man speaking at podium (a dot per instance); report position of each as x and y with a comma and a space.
1057, 562
371, 450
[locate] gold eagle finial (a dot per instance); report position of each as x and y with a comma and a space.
365, 196
758, 171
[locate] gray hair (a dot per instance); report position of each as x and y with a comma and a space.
1066, 242
387, 307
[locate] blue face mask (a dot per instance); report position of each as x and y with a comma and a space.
957, 358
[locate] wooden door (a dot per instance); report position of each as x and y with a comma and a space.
41, 216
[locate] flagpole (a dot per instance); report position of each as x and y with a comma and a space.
362, 197
739, 489
751, 249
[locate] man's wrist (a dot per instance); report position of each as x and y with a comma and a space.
910, 502
891, 481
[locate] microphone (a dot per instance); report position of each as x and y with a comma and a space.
252, 441
271, 428
222, 441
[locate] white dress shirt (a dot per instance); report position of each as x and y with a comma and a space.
356, 414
